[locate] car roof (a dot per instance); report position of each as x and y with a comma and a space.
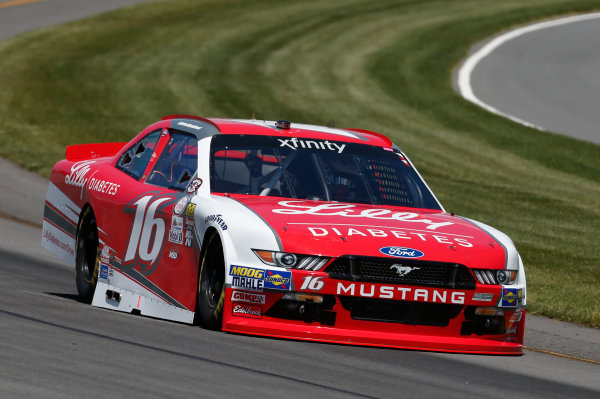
205, 127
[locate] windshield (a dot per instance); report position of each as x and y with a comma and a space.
315, 169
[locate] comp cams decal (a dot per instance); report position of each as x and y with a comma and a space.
250, 297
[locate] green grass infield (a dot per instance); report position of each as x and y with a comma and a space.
379, 65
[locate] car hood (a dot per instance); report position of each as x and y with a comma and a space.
336, 229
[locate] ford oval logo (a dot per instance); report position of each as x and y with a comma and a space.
401, 252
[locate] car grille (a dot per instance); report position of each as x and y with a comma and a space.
416, 313
381, 270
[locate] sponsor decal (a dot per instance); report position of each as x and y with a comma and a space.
105, 254
48, 236
103, 186
344, 231
247, 283
312, 283
177, 223
244, 271
103, 272
402, 252
173, 254
247, 277
401, 293
189, 210
294, 143
189, 223
176, 236
189, 238
511, 296
483, 297
349, 211
180, 206
194, 186
77, 177
218, 219
241, 296
252, 311
189, 125
278, 280
403, 270
516, 317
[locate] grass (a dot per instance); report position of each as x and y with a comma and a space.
384, 66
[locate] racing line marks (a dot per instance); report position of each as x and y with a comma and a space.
581, 359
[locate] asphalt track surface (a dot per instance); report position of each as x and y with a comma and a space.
53, 346
547, 77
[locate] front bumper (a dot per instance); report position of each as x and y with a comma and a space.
345, 320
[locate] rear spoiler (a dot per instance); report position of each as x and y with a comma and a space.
81, 152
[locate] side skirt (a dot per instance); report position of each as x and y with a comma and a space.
147, 304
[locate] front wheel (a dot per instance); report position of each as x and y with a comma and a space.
211, 285
87, 256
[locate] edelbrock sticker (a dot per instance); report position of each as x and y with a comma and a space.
252, 311
401, 252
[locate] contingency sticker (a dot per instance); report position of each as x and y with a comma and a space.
511, 296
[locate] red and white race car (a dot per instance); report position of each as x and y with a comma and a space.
284, 230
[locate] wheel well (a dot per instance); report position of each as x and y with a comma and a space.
207, 234
211, 230
83, 211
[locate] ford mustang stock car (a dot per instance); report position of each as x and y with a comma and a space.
284, 230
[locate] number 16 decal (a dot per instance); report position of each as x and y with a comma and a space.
144, 223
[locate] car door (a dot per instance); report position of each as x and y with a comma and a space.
152, 250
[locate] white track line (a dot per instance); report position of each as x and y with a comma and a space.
465, 71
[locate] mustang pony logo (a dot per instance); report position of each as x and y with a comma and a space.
403, 270
347, 210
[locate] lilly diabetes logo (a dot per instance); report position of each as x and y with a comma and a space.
278, 280
401, 252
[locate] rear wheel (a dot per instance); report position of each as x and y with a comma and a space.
87, 256
211, 284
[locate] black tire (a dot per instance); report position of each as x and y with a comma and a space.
211, 284
87, 256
